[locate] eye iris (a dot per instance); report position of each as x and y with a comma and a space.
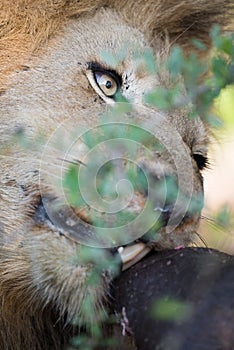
106, 83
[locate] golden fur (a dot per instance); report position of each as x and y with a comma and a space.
25, 25
45, 47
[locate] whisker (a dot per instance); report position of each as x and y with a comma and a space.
216, 224
56, 167
18, 158
203, 217
201, 239
75, 162
44, 162
179, 36
50, 174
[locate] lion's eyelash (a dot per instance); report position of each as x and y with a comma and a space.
95, 66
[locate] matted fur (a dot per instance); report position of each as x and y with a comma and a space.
41, 287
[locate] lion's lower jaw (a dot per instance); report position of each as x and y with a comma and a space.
47, 324
66, 283
44, 293
33, 329
48, 289
26, 322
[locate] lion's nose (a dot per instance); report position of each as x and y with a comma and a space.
162, 191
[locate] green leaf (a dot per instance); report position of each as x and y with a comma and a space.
169, 309
199, 45
159, 98
71, 186
110, 58
176, 61
149, 60
224, 217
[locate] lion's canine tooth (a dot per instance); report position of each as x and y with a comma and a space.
130, 255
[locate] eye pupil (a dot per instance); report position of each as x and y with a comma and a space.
108, 84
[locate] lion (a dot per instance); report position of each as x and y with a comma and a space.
55, 81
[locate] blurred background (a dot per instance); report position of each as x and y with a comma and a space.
217, 225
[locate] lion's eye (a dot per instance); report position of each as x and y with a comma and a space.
107, 82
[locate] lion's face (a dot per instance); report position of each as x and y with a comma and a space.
58, 96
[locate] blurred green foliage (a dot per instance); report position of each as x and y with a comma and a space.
190, 85
201, 83
170, 309
224, 107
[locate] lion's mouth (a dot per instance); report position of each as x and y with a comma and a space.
76, 226
129, 254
